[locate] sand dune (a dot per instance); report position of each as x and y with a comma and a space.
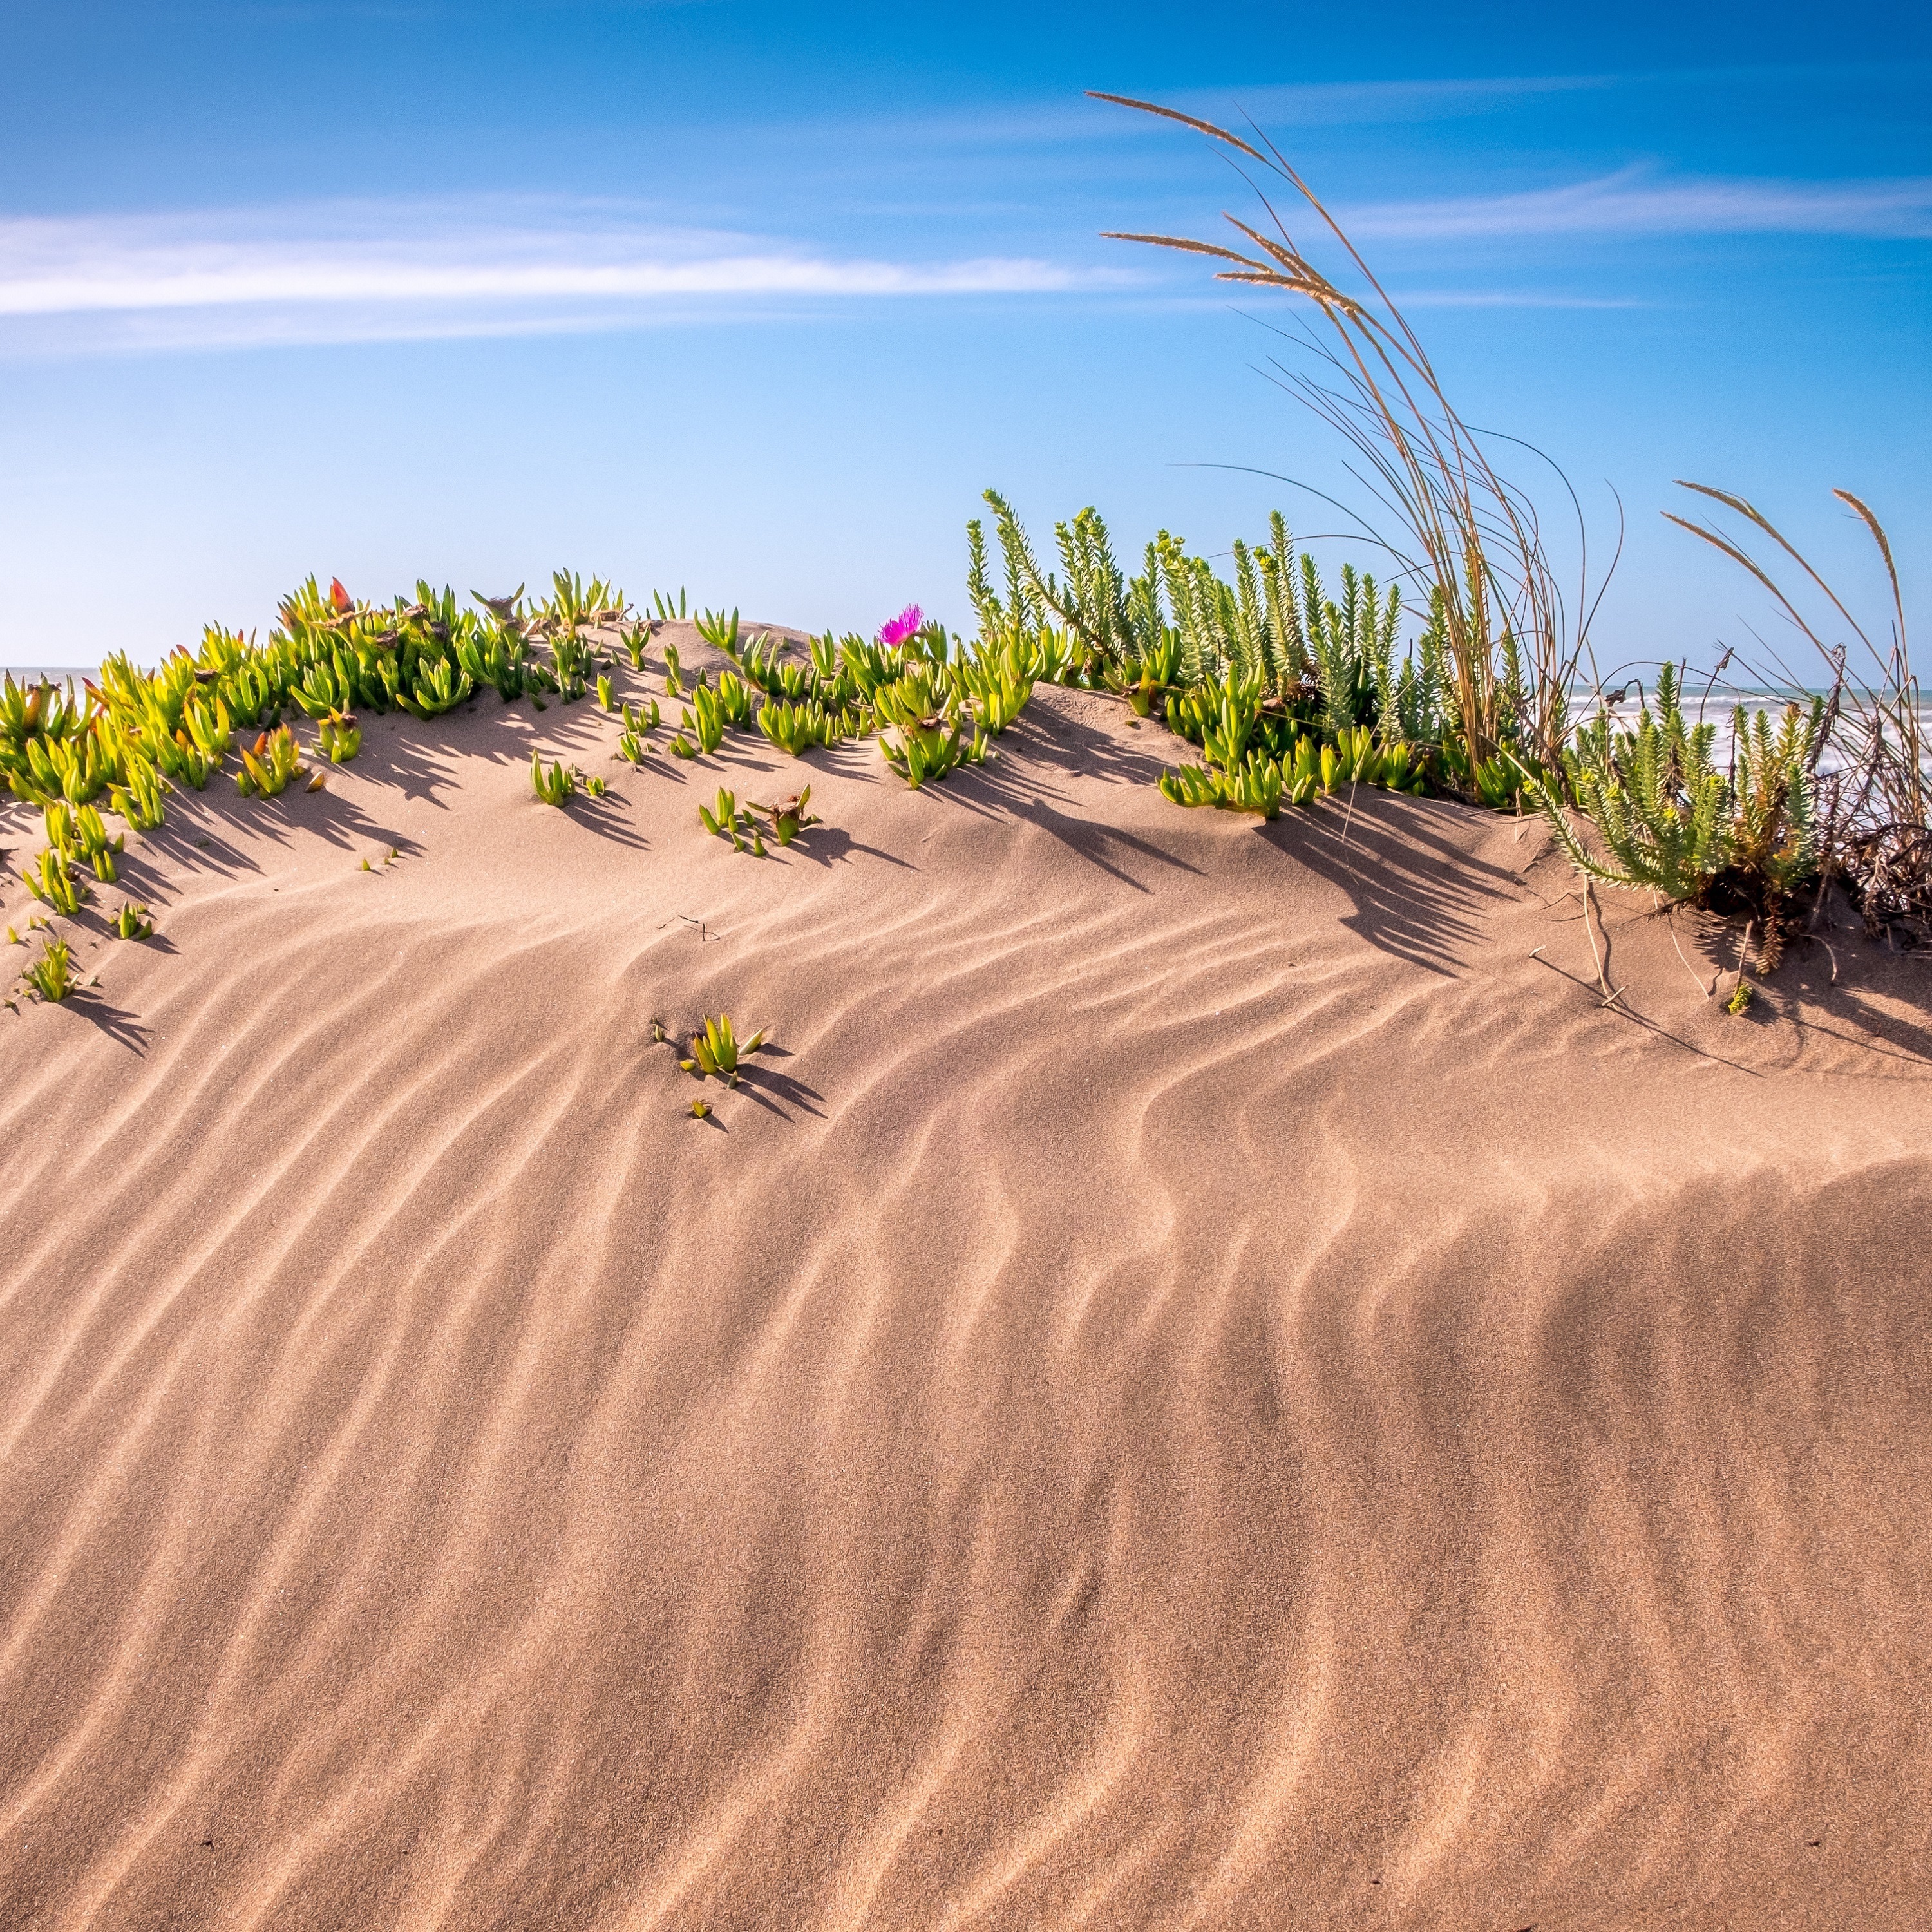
1207, 1383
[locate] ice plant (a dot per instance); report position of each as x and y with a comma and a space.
903, 627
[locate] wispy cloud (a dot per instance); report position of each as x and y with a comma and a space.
1346, 103
318, 271
1634, 202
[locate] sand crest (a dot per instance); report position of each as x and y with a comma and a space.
1208, 1382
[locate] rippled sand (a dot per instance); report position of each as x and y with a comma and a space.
1208, 1383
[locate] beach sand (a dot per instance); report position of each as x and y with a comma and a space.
1207, 1382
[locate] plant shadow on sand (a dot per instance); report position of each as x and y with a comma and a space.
202, 831
829, 845
1065, 750
422, 759
124, 1028
774, 1090
1417, 894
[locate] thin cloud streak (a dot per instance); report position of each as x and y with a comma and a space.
1632, 202
452, 258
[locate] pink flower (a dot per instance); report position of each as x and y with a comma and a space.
904, 625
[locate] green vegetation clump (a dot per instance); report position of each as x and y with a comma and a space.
725, 818
552, 784
717, 1052
1668, 819
51, 976
789, 816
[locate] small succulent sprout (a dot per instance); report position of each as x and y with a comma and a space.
1256, 786
90, 836
673, 673
718, 631
604, 700
132, 921
717, 1051
659, 1032
138, 800
269, 764
701, 1110
50, 882
1742, 996
51, 976
367, 867
594, 786
318, 782
339, 736
553, 786
726, 818
705, 721
789, 816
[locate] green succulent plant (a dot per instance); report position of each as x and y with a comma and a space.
91, 836
571, 665
789, 816
553, 786
796, 729
718, 631
734, 700
717, 1052
727, 819
1257, 786
51, 976
997, 680
703, 722
930, 726
1655, 795
499, 659
51, 883
132, 921
1359, 760
439, 687
138, 798
339, 736
269, 764
77, 767
58, 827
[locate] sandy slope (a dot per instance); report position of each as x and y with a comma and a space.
1204, 1386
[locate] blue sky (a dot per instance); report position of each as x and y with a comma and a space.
756, 299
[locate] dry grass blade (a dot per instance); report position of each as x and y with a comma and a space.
1186, 121
1468, 535
1873, 830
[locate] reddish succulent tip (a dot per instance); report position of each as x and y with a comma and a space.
339, 597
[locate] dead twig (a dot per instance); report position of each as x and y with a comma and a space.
1590, 900
1704, 992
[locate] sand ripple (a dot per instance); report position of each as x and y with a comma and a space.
1206, 1387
